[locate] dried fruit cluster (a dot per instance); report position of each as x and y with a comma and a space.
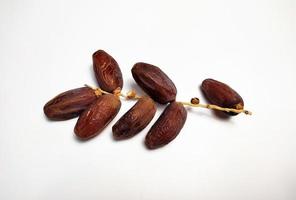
97, 107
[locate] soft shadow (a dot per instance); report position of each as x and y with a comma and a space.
123, 139
161, 148
221, 115
161, 106
208, 115
78, 140
56, 120
82, 141
198, 112
144, 145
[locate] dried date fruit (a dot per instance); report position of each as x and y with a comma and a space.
107, 71
154, 82
69, 104
220, 94
167, 126
94, 119
135, 120
97, 107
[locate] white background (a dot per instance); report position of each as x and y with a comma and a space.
46, 48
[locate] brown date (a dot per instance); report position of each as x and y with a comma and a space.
107, 71
135, 120
154, 82
220, 94
94, 119
167, 126
69, 104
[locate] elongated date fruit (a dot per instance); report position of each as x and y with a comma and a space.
167, 126
154, 82
220, 94
94, 119
107, 71
135, 120
69, 104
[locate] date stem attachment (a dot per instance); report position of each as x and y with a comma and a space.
129, 95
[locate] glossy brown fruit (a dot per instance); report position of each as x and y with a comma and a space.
167, 126
107, 71
94, 119
135, 120
220, 94
154, 82
69, 104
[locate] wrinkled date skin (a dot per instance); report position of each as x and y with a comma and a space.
69, 104
154, 82
222, 95
94, 119
134, 120
167, 126
107, 71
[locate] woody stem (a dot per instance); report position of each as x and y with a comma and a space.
215, 107
132, 95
